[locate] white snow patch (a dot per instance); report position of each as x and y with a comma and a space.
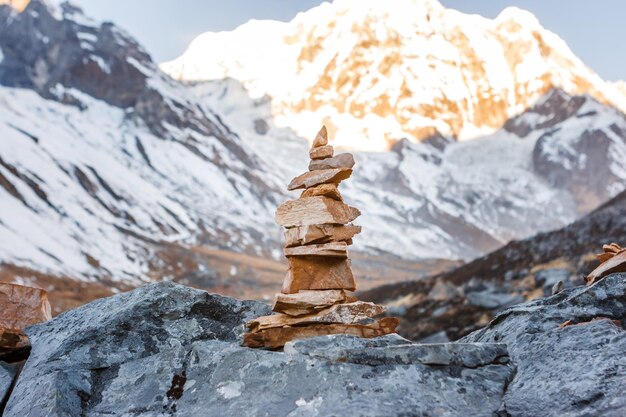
230, 389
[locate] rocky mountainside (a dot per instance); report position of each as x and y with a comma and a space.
376, 72
113, 174
452, 304
168, 350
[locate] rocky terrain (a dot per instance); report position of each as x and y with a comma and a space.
168, 350
452, 304
88, 120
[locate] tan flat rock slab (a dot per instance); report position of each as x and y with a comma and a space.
327, 190
276, 337
308, 301
321, 152
616, 263
339, 313
320, 233
318, 273
332, 249
20, 307
321, 139
343, 160
322, 176
315, 210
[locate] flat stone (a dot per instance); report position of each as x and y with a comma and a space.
616, 263
276, 337
349, 313
321, 139
307, 301
319, 233
322, 176
315, 210
332, 249
328, 190
20, 307
321, 152
317, 273
343, 160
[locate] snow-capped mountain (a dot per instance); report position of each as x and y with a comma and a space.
379, 71
110, 170
102, 155
443, 198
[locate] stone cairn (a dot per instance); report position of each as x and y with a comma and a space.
314, 300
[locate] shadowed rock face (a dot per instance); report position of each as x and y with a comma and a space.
165, 349
587, 356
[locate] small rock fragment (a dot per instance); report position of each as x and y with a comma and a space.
321, 139
321, 152
318, 273
319, 233
314, 210
307, 301
557, 287
332, 249
276, 337
322, 176
20, 307
327, 190
339, 313
343, 160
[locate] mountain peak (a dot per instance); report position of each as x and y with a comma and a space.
382, 71
520, 16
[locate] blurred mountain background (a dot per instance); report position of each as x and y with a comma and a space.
471, 136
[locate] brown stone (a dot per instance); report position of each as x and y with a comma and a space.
339, 313
20, 307
322, 176
331, 249
343, 160
617, 263
318, 273
314, 210
321, 152
319, 233
327, 190
276, 337
321, 139
307, 302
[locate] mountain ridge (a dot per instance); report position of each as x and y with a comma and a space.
402, 69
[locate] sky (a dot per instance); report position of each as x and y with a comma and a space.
594, 30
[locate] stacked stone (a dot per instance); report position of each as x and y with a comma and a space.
314, 299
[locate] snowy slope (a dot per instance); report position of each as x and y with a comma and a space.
94, 172
379, 71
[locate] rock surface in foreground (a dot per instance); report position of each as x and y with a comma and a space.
169, 350
577, 370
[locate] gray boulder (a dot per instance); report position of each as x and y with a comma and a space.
168, 350
165, 349
575, 370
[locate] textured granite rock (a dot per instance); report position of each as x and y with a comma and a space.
166, 350
7, 374
577, 370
